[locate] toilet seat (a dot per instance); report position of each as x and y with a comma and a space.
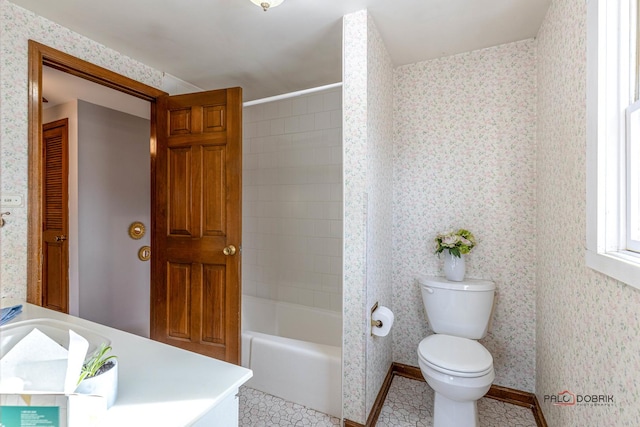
455, 356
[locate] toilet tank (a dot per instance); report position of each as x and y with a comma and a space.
461, 309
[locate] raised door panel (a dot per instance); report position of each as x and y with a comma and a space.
180, 192
179, 301
54, 296
213, 191
214, 118
213, 303
180, 121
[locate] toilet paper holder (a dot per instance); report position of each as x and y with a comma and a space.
375, 323
381, 320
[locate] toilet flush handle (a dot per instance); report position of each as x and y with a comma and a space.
428, 289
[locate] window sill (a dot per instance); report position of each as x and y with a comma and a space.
623, 266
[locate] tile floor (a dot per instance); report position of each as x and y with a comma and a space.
409, 403
258, 409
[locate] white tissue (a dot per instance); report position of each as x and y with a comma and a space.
385, 315
78, 347
38, 363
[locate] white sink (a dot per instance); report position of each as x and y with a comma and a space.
57, 330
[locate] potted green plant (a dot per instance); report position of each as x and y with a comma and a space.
455, 244
99, 375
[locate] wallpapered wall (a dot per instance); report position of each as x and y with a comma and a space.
17, 26
588, 328
354, 110
464, 156
379, 353
368, 160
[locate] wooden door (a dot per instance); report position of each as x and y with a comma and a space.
195, 293
55, 226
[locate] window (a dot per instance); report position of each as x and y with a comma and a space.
613, 139
633, 138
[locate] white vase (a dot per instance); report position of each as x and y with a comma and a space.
453, 267
105, 384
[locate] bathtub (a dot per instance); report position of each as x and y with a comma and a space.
294, 352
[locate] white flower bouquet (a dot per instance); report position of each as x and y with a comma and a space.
456, 242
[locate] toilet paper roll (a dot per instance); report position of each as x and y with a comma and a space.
384, 315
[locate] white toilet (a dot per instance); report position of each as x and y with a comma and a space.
457, 367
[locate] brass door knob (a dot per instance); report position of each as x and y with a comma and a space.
61, 238
229, 250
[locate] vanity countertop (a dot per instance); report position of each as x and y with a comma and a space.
158, 385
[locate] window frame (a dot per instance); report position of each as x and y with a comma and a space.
608, 96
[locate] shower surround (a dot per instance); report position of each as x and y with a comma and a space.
292, 200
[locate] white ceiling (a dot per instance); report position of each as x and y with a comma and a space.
298, 45
59, 87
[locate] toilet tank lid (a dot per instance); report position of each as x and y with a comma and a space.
466, 285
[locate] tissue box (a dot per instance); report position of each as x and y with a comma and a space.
52, 410
39, 368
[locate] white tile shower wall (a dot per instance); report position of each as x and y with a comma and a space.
17, 26
464, 141
588, 325
292, 200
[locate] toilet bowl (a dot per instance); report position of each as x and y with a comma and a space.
456, 366
460, 371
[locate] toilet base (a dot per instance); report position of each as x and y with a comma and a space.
453, 413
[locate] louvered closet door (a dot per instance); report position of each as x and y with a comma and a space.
55, 280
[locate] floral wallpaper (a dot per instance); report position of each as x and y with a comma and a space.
368, 176
588, 325
17, 26
354, 128
379, 204
464, 157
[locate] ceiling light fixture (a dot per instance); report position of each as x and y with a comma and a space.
267, 4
